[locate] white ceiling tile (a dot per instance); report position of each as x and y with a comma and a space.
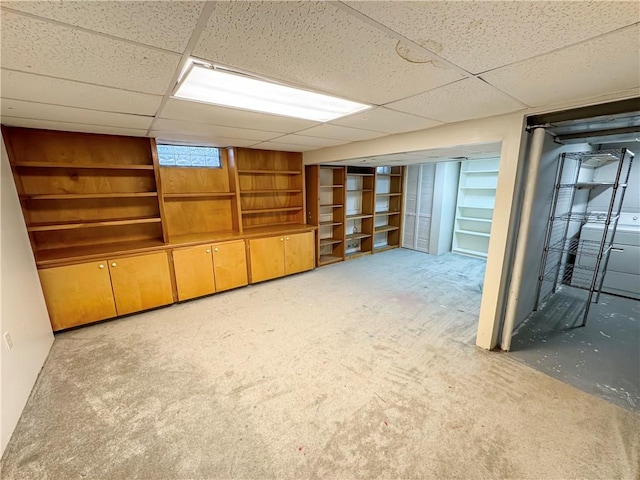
202, 139
382, 119
71, 127
337, 132
165, 25
192, 128
607, 64
36, 88
42, 111
463, 100
317, 46
479, 36
230, 117
309, 141
284, 147
36, 46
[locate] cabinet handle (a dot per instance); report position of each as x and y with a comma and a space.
208, 250
101, 265
113, 264
215, 249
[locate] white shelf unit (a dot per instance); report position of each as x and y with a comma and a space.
474, 209
359, 211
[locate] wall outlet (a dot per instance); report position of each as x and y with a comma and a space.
8, 340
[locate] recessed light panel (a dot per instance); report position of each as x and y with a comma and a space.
219, 86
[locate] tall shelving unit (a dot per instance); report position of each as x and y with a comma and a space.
474, 209
325, 205
575, 186
388, 208
84, 194
360, 201
271, 186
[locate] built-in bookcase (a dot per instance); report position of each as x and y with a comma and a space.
388, 208
360, 198
474, 210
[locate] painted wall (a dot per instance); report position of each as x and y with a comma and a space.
444, 207
23, 313
631, 202
508, 129
539, 218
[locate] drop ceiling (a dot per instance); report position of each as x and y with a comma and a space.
110, 66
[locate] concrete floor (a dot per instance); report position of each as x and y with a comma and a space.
364, 369
603, 358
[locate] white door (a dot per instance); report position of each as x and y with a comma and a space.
418, 206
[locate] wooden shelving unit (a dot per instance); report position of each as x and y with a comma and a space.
270, 186
388, 208
200, 201
325, 202
359, 218
85, 192
474, 210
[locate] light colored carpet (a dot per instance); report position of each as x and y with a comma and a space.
365, 369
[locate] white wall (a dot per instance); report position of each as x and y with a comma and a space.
631, 202
23, 313
444, 207
508, 129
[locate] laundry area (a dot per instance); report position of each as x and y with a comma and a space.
583, 283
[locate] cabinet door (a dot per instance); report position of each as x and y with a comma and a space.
266, 256
299, 252
230, 265
141, 282
77, 294
194, 272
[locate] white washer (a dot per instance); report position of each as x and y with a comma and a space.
623, 270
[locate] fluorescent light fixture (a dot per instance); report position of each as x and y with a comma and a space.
219, 86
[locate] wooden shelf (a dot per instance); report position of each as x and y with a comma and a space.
271, 210
387, 213
330, 241
327, 259
269, 172
357, 216
331, 186
356, 254
276, 229
385, 228
331, 206
352, 174
199, 195
359, 191
45, 227
388, 194
356, 236
83, 196
383, 248
264, 192
89, 166
207, 237
329, 223
87, 252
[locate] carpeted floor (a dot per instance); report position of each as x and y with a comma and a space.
365, 369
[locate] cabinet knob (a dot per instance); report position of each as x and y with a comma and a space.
113, 264
287, 238
101, 265
215, 249
281, 239
208, 250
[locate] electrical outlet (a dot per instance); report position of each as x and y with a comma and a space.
8, 340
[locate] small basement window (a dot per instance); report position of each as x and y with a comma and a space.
188, 156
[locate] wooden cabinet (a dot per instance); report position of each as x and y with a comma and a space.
274, 257
78, 294
230, 265
88, 292
299, 252
141, 282
206, 269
